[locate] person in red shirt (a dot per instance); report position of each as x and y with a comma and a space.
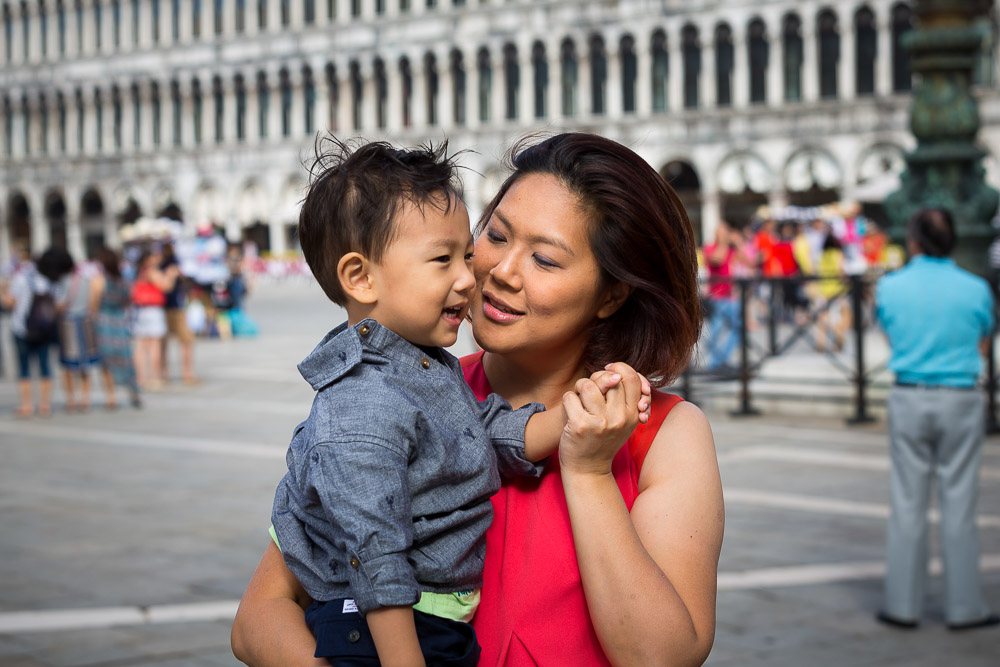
607, 532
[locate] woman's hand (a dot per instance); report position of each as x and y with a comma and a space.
599, 423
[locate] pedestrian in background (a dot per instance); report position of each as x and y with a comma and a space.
27, 295
149, 319
724, 332
938, 319
833, 308
111, 311
77, 338
176, 319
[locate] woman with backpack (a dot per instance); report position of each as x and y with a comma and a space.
111, 310
33, 323
77, 337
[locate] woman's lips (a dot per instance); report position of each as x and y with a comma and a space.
498, 311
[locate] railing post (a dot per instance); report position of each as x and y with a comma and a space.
772, 319
745, 408
861, 415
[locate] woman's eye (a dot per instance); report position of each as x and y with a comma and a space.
494, 236
544, 262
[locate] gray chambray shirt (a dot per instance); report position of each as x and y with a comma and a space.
389, 479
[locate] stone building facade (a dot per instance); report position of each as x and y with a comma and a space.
208, 110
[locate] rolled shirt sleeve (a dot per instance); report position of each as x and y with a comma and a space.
505, 428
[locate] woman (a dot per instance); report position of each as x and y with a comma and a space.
585, 256
33, 343
77, 337
149, 319
831, 300
110, 310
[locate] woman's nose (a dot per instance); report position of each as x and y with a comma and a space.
505, 270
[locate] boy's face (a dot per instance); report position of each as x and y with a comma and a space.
424, 281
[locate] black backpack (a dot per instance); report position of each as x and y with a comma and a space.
40, 326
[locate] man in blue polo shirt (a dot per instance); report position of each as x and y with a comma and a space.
938, 319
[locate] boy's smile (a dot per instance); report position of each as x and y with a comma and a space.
424, 280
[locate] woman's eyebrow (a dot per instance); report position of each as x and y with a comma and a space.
535, 238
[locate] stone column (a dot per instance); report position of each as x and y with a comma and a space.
89, 100
345, 104
775, 79
369, 122
847, 85
394, 95
707, 83
145, 40
883, 58
810, 60
34, 33
128, 117
553, 96
274, 112
41, 238
274, 17
229, 17
584, 101
207, 24
185, 28
321, 109
614, 105
675, 77
251, 122
229, 108
526, 93
149, 115
711, 212
643, 74
74, 229
741, 69
471, 57
446, 89
187, 111
418, 106
297, 16
17, 35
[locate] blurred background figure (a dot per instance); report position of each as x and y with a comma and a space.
833, 314
722, 257
112, 311
34, 326
177, 327
149, 319
78, 353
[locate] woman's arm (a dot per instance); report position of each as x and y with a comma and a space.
97, 285
270, 627
650, 576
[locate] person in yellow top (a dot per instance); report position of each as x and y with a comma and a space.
832, 319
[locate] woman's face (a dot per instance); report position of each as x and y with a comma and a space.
538, 282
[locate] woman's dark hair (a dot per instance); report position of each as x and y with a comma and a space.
55, 263
356, 189
934, 231
110, 262
831, 242
640, 234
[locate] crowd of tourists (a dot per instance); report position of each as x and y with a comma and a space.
114, 315
811, 252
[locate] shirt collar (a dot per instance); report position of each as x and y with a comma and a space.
342, 349
930, 261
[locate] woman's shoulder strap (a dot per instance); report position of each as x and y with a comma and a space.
644, 434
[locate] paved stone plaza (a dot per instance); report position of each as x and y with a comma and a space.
128, 536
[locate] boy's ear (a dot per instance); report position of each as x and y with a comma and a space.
354, 274
614, 297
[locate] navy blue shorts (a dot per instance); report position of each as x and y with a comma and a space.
344, 638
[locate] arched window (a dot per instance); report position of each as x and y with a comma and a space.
485, 93
723, 65
263, 104
241, 16
381, 94
791, 38
598, 76
136, 116
286, 12
8, 127
431, 74
458, 87
217, 15
80, 119
176, 113
357, 94
116, 117
406, 82
332, 95
43, 19
43, 123
61, 121
79, 25
540, 76
308, 101
240, 93
661, 70
116, 24
379, 7
261, 14
828, 36
61, 26
8, 38
285, 87
309, 11
219, 100
691, 52
902, 23
196, 18
175, 21
355, 8
511, 81
758, 54
629, 64
154, 20
197, 109
570, 77
866, 47
98, 27
155, 109
25, 32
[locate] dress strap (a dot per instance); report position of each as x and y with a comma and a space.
644, 434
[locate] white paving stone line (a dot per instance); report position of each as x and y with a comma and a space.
806, 575
823, 458
818, 505
106, 617
143, 440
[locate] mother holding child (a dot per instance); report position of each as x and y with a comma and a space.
605, 552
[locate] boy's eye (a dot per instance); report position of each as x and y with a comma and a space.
469, 256
442, 258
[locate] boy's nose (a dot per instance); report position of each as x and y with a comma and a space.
465, 280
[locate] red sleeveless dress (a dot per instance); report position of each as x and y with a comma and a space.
532, 610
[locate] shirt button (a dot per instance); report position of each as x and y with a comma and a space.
355, 563
364, 330
353, 636
425, 362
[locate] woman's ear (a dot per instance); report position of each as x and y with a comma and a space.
354, 274
614, 297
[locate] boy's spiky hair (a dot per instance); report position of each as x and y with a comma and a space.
356, 189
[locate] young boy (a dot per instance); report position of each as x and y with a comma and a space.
382, 513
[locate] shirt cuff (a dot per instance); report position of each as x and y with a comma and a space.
386, 581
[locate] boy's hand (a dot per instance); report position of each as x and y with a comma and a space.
612, 376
